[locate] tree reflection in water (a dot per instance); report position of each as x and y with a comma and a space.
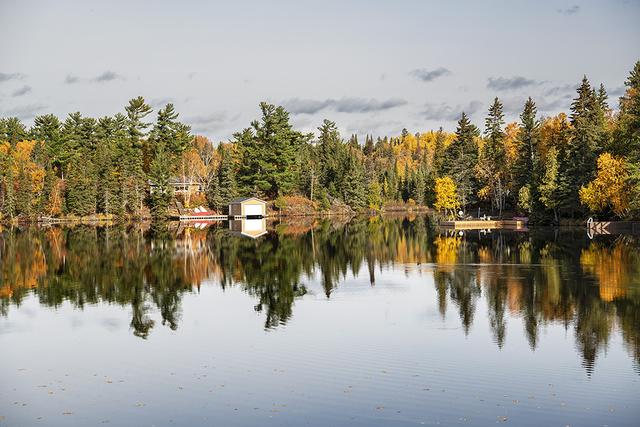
545, 276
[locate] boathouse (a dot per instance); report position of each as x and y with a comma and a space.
247, 207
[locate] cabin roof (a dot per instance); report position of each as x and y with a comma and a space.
244, 199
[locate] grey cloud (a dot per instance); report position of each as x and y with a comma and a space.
207, 119
342, 105
21, 91
71, 79
25, 112
510, 83
515, 105
372, 127
5, 77
361, 105
444, 111
569, 10
560, 89
429, 75
305, 106
209, 122
107, 76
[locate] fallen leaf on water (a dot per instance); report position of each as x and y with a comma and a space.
502, 418
67, 413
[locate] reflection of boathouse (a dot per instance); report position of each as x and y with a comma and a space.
253, 228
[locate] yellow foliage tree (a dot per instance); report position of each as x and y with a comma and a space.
446, 195
610, 188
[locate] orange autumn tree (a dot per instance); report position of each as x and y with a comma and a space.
610, 187
23, 178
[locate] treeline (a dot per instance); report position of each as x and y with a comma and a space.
565, 166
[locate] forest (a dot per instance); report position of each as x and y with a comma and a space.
585, 162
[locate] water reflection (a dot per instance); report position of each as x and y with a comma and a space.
544, 277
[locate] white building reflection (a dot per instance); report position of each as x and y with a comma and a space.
252, 228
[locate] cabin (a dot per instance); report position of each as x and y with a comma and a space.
247, 207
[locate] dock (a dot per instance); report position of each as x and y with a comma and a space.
479, 224
196, 217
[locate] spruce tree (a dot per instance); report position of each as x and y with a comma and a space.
368, 146
493, 161
355, 194
627, 135
133, 181
80, 195
585, 142
160, 175
527, 165
270, 153
460, 160
226, 179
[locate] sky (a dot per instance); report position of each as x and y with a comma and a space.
373, 67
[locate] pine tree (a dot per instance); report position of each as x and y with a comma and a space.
226, 179
493, 160
627, 135
270, 153
133, 181
160, 175
527, 174
460, 160
355, 194
585, 144
80, 196
12, 130
439, 153
368, 146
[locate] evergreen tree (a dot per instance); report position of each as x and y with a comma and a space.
12, 130
527, 173
585, 143
47, 128
627, 136
460, 160
355, 194
493, 160
270, 153
160, 175
368, 146
133, 181
80, 197
226, 179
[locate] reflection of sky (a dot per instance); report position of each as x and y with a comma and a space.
378, 355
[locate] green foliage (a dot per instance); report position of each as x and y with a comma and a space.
85, 166
269, 161
460, 160
527, 165
81, 187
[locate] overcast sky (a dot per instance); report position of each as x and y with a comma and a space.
371, 66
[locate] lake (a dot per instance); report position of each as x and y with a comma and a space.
363, 322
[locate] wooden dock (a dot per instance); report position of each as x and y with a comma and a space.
194, 217
478, 224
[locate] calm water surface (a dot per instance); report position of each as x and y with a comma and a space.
364, 322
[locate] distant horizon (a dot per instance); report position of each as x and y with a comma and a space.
373, 69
